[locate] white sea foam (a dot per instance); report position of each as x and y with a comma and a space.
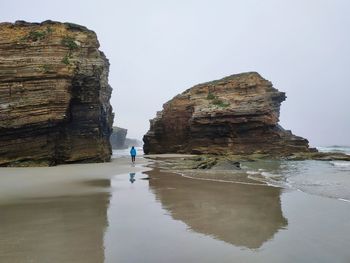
340, 163
269, 175
330, 179
252, 172
335, 148
221, 181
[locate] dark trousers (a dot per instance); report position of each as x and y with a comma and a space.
133, 158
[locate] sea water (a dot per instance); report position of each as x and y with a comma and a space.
325, 178
335, 148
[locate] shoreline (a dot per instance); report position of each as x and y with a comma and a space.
308, 176
22, 184
25, 184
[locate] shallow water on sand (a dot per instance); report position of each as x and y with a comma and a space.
168, 218
324, 178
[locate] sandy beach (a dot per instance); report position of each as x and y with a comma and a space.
114, 212
73, 179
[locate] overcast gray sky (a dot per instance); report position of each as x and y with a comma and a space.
159, 48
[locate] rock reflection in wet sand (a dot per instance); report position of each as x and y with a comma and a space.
242, 215
61, 229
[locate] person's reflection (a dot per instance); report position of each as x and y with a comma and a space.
242, 215
132, 177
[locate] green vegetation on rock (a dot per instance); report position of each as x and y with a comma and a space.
66, 60
46, 68
211, 96
216, 101
220, 103
69, 42
37, 35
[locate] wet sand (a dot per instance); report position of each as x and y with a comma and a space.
108, 213
43, 182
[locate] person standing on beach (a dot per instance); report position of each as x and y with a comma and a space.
133, 154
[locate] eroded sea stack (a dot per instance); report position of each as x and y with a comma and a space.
54, 95
238, 114
118, 138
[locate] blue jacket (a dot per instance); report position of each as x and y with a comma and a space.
133, 152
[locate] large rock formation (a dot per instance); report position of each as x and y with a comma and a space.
119, 141
54, 95
238, 114
118, 138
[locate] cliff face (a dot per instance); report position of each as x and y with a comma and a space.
238, 114
118, 138
54, 95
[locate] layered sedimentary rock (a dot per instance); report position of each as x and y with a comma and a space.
118, 138
238, 114
54, 95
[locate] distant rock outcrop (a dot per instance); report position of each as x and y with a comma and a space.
54, 95
119, 141
133, 142
238, 114
118, 138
